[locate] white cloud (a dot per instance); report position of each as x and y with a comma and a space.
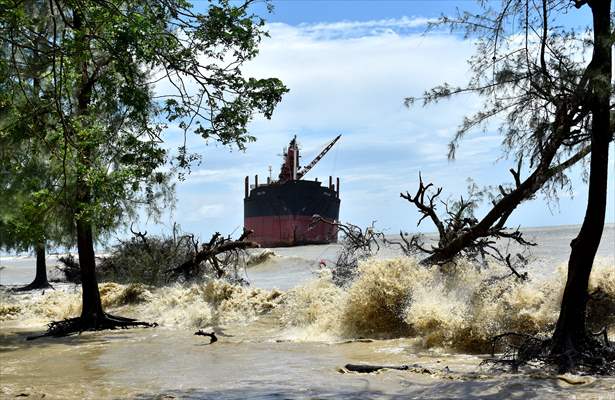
210, 210
351, 77
347, 77
363, 28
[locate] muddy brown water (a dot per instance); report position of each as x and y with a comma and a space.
259, 355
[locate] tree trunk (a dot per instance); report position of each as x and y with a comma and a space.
91, 313
40, 280
91, 310
570, 335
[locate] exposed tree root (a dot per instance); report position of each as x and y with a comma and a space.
34, 286
73, 326
593, 356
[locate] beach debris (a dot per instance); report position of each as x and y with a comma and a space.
367, 368
212, 335
359, 340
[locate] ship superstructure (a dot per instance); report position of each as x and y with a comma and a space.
280, 212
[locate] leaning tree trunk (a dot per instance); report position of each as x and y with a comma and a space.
570, 337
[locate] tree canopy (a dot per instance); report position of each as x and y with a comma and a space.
550, 89
532, 75
109, 77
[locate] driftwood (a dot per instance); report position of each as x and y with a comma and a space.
367, 368
414, 368
212, 335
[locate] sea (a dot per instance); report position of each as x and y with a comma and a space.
292, 331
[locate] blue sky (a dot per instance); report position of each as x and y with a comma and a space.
349, 65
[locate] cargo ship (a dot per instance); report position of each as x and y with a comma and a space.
280, 212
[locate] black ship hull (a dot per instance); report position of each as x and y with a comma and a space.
280, 214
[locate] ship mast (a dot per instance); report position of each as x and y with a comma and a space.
290, 168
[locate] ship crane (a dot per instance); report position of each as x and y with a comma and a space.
311, 165
281, 212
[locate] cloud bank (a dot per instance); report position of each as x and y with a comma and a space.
351, 77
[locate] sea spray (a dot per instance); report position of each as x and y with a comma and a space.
310, 312
463, 309
460, 308
116, 295
215, 302
38, 308
183, 306
378, 297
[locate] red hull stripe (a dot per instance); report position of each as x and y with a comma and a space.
289, 230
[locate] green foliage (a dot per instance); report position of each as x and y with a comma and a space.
89, 88
151, 260
530, 73
145, 260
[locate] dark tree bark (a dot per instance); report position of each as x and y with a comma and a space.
91, 310
40, 279
92, 316
570, 336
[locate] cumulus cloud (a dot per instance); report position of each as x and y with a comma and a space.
363, 28
351, 77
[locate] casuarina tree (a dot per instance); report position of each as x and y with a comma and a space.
549, 87
120, 74
30, 216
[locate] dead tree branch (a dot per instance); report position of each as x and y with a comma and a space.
221, 253
357, 244
460, 232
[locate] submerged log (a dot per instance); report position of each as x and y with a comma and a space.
212, 335
367, 368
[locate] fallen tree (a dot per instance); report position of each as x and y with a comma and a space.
531, 73
159, 259
460, 233
220, 253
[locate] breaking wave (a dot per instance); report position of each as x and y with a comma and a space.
183, 306
460, 308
